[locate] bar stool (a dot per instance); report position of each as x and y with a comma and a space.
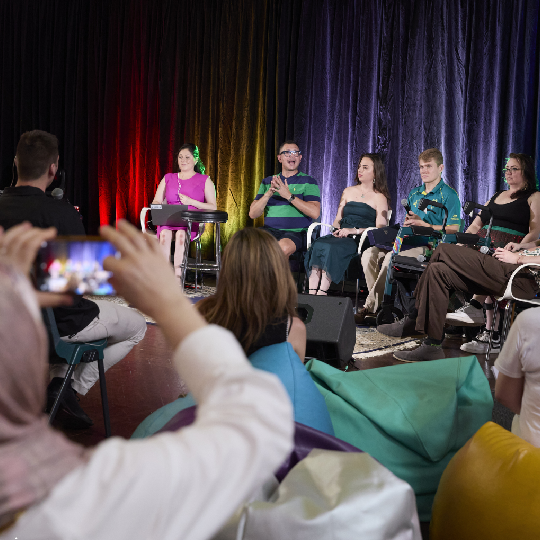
202, 216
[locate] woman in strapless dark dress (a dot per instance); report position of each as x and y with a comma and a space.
362, 205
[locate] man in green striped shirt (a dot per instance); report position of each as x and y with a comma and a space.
290, 201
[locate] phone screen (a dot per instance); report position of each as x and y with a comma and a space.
74, 264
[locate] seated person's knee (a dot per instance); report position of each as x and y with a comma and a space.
287, 246
165, 236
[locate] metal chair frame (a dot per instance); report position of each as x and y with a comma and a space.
73, 354
509, 310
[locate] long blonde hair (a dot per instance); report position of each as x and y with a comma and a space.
255, 287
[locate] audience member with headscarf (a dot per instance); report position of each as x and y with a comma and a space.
175, 485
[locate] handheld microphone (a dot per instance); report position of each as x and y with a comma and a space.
57, 193
405, 205
487, 250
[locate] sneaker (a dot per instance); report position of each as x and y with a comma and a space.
480, 344
423, 353
466, 316
403, 328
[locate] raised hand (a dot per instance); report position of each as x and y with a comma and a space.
144, 278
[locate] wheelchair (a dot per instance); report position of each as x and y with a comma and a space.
404, 272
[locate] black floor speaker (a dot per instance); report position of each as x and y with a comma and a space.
330, 328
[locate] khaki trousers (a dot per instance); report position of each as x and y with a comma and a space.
375, 263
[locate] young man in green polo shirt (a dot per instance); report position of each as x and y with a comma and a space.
290, 201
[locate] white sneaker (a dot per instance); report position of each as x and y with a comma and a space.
479, 345
466, 316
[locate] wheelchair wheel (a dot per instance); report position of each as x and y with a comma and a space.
388, 315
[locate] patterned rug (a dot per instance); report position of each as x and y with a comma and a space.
370, 343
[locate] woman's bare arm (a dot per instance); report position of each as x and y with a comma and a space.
297, 337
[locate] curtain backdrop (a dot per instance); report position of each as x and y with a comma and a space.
124, 83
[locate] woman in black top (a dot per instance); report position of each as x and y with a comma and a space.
516, 221
256, 296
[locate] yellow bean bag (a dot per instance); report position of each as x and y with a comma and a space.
489, 490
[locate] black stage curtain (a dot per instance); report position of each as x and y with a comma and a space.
124, 83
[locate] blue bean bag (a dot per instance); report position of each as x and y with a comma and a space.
281, 360
412, 418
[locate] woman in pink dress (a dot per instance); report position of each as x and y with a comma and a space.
188, 186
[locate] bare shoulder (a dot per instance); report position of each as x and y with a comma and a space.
534, 198
382, 201
348, 193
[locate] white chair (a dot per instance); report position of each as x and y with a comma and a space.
509, 309
363, 237
143, 217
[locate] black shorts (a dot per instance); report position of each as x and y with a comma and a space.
299, 238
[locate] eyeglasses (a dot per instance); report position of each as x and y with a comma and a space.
288, 153
511, 170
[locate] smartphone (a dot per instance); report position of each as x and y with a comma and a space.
74, 264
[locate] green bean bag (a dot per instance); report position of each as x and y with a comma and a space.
412, 418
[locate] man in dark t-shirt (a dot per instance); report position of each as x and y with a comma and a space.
37, 163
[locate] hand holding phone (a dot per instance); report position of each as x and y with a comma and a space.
19, 245
74, 264
145, 278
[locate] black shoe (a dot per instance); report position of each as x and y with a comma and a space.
72, 415
403, 328
360, 317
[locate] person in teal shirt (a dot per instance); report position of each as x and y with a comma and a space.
375, 261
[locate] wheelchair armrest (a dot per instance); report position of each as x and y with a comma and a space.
425, 231
364, 234
310, 230
508, 291
363, 238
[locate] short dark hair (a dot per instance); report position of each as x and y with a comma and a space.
527, 168
431, 153
35, 152
288, 141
